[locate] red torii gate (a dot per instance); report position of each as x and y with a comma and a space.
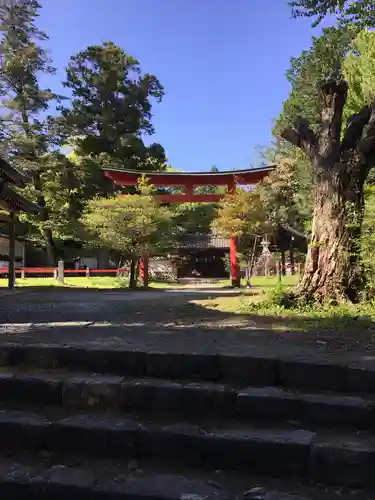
189, 180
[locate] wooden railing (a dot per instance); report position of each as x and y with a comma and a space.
52, 271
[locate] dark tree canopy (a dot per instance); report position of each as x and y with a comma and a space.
111, 106
359, 12
24, 132
288, 191
307, 72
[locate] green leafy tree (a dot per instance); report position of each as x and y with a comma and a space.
359, 12
368, 239
134, 225
194, 217
306, 73
359, 71
63, 196
110, 109
242, 215
286, 194
24, 133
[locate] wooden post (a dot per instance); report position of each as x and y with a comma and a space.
12, 252
278, 270
283, 262
188, 190
291, 256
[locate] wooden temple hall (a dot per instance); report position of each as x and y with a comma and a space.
11, 204
201, 254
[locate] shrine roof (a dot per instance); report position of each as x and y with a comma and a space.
11, 200
11, 174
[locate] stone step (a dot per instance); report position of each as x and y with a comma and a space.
54, 477
331, 373
207, 399
344, 459
38, 481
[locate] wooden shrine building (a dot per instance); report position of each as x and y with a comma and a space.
11, 203
189, 181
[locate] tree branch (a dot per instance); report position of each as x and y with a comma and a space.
334, 93
301, 135
354, 130
366, 144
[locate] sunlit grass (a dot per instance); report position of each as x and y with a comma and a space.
262, 307
103, 282
112, 282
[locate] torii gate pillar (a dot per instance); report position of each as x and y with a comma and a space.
235, 273
143, 270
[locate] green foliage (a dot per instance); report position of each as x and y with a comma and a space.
359, 12
194, 217
109, 112
286, 193
280, 296
359, 71
131, 224
25, 136
308, 70
342, 319
241, 214
368, 239
111, 108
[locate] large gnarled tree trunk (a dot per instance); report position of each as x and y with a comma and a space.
341, 163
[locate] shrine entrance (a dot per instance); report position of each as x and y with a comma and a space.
203, 264
189, 181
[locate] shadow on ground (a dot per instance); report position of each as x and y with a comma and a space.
173, 319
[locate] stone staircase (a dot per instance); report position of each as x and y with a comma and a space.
100, 423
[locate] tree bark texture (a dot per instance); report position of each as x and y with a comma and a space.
341, 163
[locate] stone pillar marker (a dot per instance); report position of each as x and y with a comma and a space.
60, 271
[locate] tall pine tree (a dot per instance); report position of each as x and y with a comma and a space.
110, 109
24, 133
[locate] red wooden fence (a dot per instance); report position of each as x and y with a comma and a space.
53, 270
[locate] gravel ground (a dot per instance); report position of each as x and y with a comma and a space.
161, 319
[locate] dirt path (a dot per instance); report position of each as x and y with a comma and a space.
157, 320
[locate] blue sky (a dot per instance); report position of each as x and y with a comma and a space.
222, 63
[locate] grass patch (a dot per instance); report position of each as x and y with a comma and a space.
112, 282
102, 282
345, 325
